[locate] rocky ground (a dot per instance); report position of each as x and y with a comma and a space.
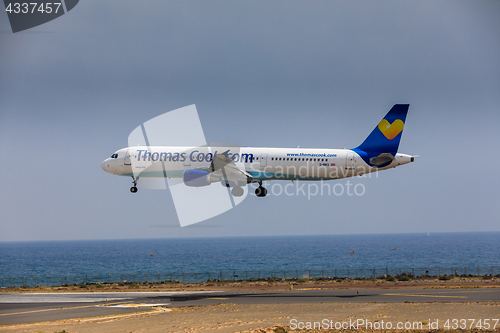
278, 318
281, 317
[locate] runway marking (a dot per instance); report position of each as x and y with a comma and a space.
216, 298
471, 290
139, 305
59, 309
422, 295
304, 289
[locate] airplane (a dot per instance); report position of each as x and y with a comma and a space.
236, 167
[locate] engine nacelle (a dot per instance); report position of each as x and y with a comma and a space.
198, 178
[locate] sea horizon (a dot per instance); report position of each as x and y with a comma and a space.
250, 236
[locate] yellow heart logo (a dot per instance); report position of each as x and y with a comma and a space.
391, 131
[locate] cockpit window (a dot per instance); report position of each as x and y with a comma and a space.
114, 156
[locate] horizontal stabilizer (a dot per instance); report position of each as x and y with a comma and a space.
382, 159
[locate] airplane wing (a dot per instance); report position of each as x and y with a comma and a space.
222, 164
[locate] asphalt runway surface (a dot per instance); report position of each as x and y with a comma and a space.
17, 308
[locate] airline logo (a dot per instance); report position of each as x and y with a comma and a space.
194, 156
390, 131
192, 204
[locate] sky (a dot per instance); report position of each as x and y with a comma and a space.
319, 74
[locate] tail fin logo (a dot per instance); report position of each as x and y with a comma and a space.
391, 131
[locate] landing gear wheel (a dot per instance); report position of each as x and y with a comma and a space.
261, 191
237, 191
133, 189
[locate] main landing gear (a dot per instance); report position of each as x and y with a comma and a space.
133, 189
260, 191
237, 191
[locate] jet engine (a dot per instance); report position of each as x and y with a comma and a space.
199, 178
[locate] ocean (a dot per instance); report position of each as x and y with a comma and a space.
199, 259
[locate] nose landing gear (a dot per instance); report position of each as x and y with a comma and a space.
133, 189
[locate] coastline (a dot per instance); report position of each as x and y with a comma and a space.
269, 284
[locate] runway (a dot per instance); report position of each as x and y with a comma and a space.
18, 308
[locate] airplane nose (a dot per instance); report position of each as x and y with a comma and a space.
105, 165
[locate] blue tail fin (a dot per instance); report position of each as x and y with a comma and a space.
385, 138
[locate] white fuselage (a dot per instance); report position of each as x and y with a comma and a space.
261, 163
